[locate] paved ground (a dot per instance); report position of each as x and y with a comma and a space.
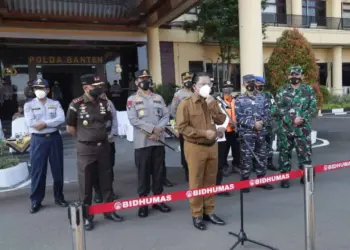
275, 218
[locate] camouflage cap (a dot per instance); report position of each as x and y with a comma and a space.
186, 76
295, 70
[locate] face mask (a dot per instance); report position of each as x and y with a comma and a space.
250, 86
204, 91
259, 88
40, 94
94, 93
294, 81
145, 84
188, 84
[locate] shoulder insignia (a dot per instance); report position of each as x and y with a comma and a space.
129, 103
79, 99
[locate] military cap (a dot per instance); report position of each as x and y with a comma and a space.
142, 73
260, 79
296, 69
248, 78
227, 84
91, 79
40, 83
186, 76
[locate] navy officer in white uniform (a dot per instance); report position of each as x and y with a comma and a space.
43, 116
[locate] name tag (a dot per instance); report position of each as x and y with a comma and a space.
156, 101
139, 103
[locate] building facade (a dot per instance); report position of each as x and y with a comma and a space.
60, 40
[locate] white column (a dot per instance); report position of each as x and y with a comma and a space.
297, 12
335, 13
154, 62
336, 9
337, 79
250, 37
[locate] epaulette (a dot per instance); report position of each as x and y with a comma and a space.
79, 99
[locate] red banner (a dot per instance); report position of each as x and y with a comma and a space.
186, 194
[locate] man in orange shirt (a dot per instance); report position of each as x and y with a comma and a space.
231, 134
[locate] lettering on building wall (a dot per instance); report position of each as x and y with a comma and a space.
66, 59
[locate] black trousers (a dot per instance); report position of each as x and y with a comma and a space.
149, 162
112, 159
233, 143
183, 159
222, 161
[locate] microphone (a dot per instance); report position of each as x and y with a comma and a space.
219, 99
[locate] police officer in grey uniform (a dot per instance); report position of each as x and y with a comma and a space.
148, 115
87, 118
182, 93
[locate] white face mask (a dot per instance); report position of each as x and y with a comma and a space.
204, 91
40, 94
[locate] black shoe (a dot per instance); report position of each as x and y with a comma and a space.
61, 203
98, 197
162, 207
266, 186
224, 194
285, 184
213, 218
35, 208
199, 223
168, 183
143, 212
89, 225
236, 169
113, 217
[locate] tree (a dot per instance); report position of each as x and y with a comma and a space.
292, 48
218, 21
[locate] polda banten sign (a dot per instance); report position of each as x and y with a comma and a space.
66, 59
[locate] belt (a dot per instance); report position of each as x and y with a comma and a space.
92, 143
46, 135
203, 144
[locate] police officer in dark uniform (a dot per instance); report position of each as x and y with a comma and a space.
86, 119
148, 115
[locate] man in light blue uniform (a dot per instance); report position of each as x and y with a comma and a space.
43, 116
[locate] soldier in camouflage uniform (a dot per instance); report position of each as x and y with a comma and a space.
295, 104
182, 93
252, 115
269, 127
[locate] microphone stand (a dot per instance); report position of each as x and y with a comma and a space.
242, 236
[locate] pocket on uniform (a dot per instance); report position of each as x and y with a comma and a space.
141, 111
52, 114
158, 110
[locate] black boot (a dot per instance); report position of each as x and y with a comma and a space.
266, 186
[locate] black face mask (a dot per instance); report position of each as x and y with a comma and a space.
188, 84
259, 88
95, 93
145, 84
294, 81
250, 86
227, 91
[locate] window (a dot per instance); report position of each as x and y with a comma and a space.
270, 7
346, 15
314, 11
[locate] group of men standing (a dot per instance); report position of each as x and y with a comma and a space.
208, 129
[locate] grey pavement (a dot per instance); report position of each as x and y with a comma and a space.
273, 217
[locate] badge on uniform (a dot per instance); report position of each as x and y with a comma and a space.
85, 123
141, 113
102, 109
129, 104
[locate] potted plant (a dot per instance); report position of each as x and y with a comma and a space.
12, 170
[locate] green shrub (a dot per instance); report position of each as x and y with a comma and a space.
325, 94
7, 160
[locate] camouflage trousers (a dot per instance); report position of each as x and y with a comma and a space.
257, 143
286, 143
269, 140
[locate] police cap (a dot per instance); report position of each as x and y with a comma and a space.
142, 73
41, 83
186, 76
91, 79
260, 79
227, 84
248, 78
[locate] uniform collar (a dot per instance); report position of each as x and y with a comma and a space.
87, 99
195, 97
141, 94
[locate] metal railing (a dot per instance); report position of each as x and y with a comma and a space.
303, 21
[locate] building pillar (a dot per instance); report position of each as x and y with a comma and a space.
334, 13
153, 49
337, 77
297, 12
251, 38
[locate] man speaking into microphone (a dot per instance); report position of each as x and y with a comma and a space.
196, 119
